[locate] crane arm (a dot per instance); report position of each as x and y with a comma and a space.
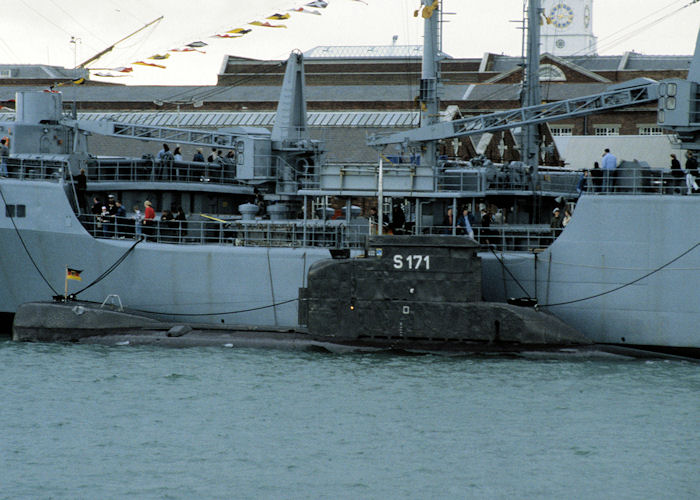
203, 138
620, 96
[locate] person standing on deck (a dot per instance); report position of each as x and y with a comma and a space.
4, 154
96, 211
556, 221
119, 216
583, 181
676, 170
81, 189
448, 222
609, 164
464, 224
149, 215
137, 222
596, 178
691, 172
161, 154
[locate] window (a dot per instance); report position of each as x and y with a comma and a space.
650, 130
561, 129
550, 73
15, 210
606, 130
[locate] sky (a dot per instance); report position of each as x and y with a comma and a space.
40, 31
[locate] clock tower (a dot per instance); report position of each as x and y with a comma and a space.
569, 30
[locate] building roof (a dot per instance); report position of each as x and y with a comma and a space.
364, 51
38, 72
511, 91
627, 61
240, 94
205, 119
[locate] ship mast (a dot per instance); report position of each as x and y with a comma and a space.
111, 47
430, 74
529, 138
531, 85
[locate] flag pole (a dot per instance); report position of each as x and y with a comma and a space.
65, 297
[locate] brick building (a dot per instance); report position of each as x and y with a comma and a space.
353, 91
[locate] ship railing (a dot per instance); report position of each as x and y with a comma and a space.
636, 181
506, 237
151, 170
292, 233
299, 233
484, 179
33, 167
412, 177
364, 177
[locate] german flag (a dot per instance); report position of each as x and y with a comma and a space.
73, 274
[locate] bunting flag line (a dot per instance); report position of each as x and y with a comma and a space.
196, 46
77, 81
188, 49
278, 17
104, 74
305, 11
267, 25
144, 63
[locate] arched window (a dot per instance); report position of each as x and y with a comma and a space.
550, 73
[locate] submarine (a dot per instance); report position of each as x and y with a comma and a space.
412, 293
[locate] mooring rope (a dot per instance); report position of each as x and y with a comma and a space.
508, 271
112, 267
215, 313
26, 250
654, 271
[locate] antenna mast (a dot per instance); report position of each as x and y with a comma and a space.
430, 75
531, 85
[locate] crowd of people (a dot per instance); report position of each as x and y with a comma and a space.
602, 179
109, 219
215, 167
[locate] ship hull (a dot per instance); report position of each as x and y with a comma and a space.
222, 284
611, 274
625, 271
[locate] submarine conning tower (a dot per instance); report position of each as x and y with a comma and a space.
420, 292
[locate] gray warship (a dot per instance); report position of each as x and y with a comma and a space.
627, 279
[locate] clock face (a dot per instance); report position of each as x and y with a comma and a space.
561, 15
586, 16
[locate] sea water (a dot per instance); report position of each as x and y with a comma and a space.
82, 421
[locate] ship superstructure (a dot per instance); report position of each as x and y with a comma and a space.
604, 275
